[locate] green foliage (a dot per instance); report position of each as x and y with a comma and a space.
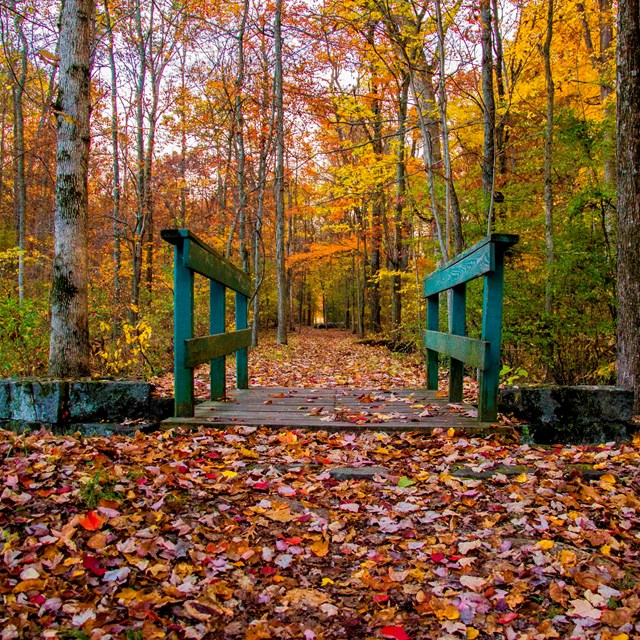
24, 340
97, 488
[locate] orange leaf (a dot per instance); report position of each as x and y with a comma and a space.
91, 522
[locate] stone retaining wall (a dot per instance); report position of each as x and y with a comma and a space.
64, 405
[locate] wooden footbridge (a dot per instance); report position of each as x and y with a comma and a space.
337, 408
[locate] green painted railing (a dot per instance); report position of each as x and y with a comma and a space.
483, 259
191, 256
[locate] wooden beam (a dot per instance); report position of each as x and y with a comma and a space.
472, 263
199, 350
206, 261
473, 352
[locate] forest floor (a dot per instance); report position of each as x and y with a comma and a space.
253, 534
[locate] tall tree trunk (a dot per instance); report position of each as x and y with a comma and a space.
115, 161
377, 199
240, 150
489, 110
399, 250
69, 347
182, 221
279, 178
628, 160
501, 124
141, 213
548, 161
19, 181
452, 208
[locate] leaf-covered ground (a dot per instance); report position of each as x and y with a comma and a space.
247, 533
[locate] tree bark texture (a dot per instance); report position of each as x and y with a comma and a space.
489, 105
548, 161
279, 179
628, 157
69, 347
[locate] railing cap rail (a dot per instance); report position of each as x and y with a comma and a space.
175, 236
235, 279
507, 240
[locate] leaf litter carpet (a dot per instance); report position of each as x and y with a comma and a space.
254, 534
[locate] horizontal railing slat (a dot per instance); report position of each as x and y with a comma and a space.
473, 352
201, 350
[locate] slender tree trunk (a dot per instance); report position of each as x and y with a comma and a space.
279, 178
141, 214
240, 150
182, 221
489, 110
115, 159
548, 161
399, 250
377, 200
19, 182
452, 207
501, 124
69, 347
628, 161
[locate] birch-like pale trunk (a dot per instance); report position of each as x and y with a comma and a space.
488, 111
115, 156
279, 178
19, 180
240, 147
69, 354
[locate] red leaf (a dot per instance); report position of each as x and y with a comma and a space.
91, 563
261, 486
380, 597
507, 617
394, 632
438, 557
268, 571
91, 522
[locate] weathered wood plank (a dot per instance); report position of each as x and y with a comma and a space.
215, 267
473, 352
208, 262
199, 350
473, 266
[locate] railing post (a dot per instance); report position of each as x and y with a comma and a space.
433, 322
242, 359
458, 327
217, 314
492, 333
183, 330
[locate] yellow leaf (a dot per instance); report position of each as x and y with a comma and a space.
451, 613
326, 581
320, 548
472, 633
229, 474
522, 478
451, 432
608, 478
605, 550
568, 558
248, 453
620, 636
545, 545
